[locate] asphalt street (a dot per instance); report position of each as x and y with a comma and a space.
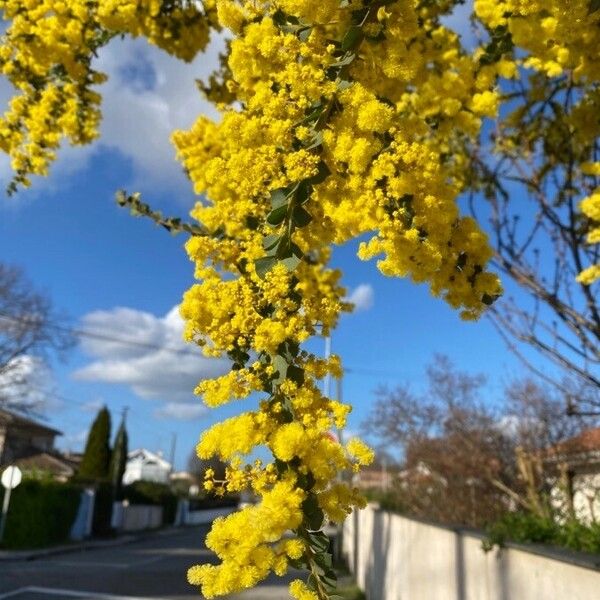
152, 567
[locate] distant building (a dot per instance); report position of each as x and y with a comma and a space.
374, 478
143, 465
579, 459
21, 437
59, 466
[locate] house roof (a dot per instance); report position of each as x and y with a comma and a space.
15, 420
47, 462
147, 456
586, 441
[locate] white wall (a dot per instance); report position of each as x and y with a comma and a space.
136, 517
397, 558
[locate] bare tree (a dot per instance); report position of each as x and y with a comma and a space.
28, 334
528, 169
465, 461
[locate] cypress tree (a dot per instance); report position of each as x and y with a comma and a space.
118, 458
96, 456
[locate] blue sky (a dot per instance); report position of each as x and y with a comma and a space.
123, 276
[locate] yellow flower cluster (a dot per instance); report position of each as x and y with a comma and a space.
559, 38
244, 542
46, 53
180, 28
340, 120
319, 147
590, 207
556, 35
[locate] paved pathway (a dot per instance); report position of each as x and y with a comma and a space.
150, 568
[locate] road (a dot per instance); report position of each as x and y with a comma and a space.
153, 567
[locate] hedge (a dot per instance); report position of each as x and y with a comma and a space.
41, 513
522, 527
213, 502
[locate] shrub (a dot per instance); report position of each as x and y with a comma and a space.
213, 502
41, 513
522, 527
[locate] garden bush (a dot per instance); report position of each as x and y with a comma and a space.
40, 514
522, 527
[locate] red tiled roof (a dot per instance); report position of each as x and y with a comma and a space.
586, 441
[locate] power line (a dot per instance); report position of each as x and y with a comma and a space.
361, 371
102, 336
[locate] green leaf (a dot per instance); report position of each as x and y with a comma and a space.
296, 374
345, 60
279, 17
329, 579
277, 215
270, 241
322, 174
301, 217
303, 192
313, 515
298, 563
324, 560
264, 265
352, 38
279, 198
304, 34
291, 262
593, 6
343, 84
358, 16
280, 364
316, 140
281, 466
318, 541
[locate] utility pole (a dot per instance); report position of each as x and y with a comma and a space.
173, 446
327, 382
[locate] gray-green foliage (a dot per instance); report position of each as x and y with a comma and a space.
96, 457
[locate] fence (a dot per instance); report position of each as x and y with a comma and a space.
185, 516
398, 558
136, 517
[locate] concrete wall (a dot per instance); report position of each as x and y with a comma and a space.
136, 517
185, 516
397, 558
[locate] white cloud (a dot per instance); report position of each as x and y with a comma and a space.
148, 95
181, 411
362, 297
74, 441
26, 384
93, 406
145, 353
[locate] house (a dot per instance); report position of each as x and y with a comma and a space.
143, 465
59, 466
21, 437
183, 482
374, 478
578, 458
